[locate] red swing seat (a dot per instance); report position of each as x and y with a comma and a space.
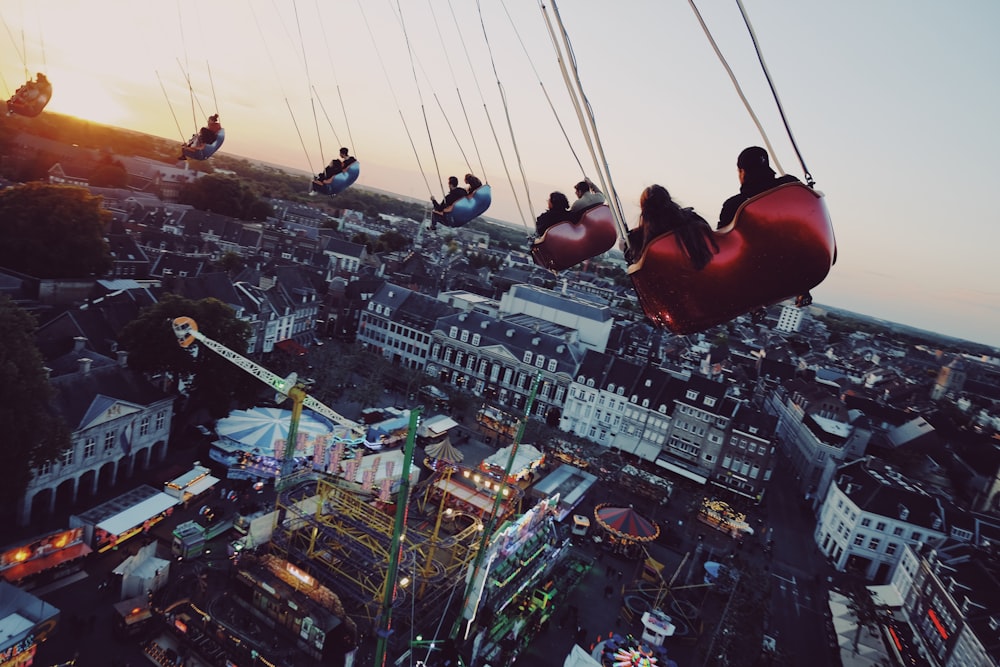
780, 245
566, 244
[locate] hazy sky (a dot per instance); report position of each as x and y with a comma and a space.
892, 103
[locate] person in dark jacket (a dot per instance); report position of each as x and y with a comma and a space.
454, 194
756, 176
558, 211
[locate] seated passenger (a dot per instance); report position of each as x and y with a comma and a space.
756, 176
454, 194
204, 137
659, 215
346, 159
587, 196
558, 211
473, 183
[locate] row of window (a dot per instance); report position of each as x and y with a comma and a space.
89, 450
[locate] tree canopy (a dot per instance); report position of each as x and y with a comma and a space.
31, 434
225, 195
211, 381
53, 231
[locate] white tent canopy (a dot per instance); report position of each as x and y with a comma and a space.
527, 456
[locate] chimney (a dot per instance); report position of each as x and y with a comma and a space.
84, 363
122, 358
79, 342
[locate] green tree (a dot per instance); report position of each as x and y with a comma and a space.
231, 263
866, 612
210, 380
109, 173
53, 231
31, 433
224, 195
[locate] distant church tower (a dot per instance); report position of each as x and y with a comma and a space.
951, 378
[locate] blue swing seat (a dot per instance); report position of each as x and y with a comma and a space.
206, 151
468, 207
341, 181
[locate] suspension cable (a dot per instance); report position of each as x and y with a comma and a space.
458, 92
185, 68
510, 126
548, 98
395, 99
312, 100
420, 96
277, 78
774, 93
739, 89
170, 106
340, 96
211, 83
589, 126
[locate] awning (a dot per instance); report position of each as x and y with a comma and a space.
202, 485
466, 494
20, 571
683, 472
137, 514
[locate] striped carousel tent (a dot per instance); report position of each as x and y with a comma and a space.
444, 451
257, 429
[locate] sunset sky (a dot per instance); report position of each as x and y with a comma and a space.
892, 104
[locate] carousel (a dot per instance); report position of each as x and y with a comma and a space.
625, 529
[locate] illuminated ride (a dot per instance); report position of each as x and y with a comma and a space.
779, 246
186, 330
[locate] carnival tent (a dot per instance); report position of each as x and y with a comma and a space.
257, 429
525, 460
626, 524
444, 451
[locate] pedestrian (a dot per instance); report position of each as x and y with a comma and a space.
620, 575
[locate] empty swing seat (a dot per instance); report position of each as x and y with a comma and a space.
779, 246
566, 244
206, 151
468, 207
341, 181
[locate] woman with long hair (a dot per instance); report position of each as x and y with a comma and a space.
661, 214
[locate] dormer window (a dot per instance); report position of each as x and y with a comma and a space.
611, 387
475, 339
528, 356
453, 332
691, 395
465, 336
540, 361
709, 401
552, 366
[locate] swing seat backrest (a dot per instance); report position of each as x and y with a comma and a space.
566, 244
780, 245
208, 150
468, 207
341, 181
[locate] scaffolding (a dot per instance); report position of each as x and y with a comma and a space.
343, 539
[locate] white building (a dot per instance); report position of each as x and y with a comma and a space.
591, 321
870, 513
119, 422
790, 318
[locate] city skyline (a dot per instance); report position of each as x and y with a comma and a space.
889, 105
